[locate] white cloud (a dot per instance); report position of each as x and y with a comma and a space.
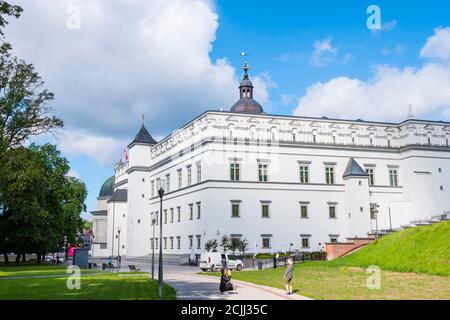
324, 53
128, 58
385, 27
74, 174
438, 45
396, 50
388, 93
103, 149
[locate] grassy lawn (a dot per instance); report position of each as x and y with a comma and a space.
320, 281
94, 286
420, 250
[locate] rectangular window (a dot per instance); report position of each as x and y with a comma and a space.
265, 210
393, 177
171, 215
333, 239
157, 217
198, 210
329, 175
156, 243
165, 216
266, 242
235, 210
234, 171
304, 174
305, 243
152, 243
189, 175
178, 242
370, 172
165, 243
152, 183
178, 214
168, 182
191, 242
191, 211
199, 241
171, 242
180, 178
303, 211
332, 212
199, 173
262, 172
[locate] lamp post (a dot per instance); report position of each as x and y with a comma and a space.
161, 189
153, 217
118, 243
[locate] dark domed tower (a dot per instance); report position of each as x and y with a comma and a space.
246, 103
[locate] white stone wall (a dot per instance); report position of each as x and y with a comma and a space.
319, 142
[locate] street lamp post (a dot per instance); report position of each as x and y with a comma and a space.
118, 243
153, 217
161, 189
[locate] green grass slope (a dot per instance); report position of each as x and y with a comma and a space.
422, 250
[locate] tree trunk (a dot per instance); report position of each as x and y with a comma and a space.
6, 257
18, 258
38, 259
23, 257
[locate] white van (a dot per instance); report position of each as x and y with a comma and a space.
212, 261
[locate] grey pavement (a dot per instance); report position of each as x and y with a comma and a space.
193, 286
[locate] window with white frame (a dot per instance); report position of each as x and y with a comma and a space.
191, 242
180, 178
165, 243
263, 172
178, 242
168, 182
305, 242
189, 175
304, 214
165, 216
235, 209
152, 184
234, 171
329, 174
199, 241
265, 209
191, 211
371, 173
178, 214
171, 215
199, 172
332, 210
393, 177
265, 241
171, 242
156, 243
198, 210
304, 173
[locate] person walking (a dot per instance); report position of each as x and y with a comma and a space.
288, 275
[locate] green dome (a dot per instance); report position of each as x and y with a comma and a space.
107, 188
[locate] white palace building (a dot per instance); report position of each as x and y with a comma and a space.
280, 182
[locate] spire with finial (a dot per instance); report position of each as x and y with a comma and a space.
143, 136
142, 118
246, 103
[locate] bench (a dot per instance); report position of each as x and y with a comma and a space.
133, 268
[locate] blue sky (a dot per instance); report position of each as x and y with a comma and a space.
128, 60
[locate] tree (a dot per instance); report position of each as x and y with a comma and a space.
40, 204
243, 246
211, 245
8, 10
24, 109
225, 243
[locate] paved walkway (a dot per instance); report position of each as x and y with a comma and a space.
192, 286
